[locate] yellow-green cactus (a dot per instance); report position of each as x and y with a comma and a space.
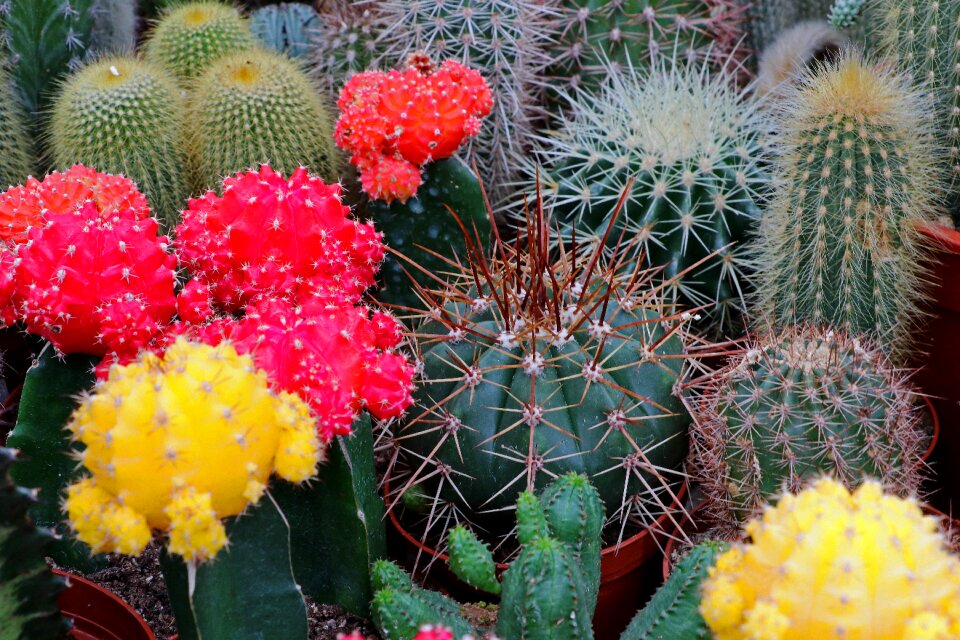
829, 564
180, 442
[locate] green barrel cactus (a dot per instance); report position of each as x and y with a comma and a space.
534, 366
424, 221
285, 27
191, 36
343, 42
124, 115
28, 588
798, 405
840, 243
16, 161
256, 107
691, 149
674, 610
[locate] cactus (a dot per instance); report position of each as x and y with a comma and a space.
769, 18
343, 42
836, 549
285, 27
28, 588
523, 379
507, 40
257, 107
124, 115
114, 26
249, 433
599, 35
16, 162
400, 609
840, 244
797, 405
191, 36
690, 148
796, 50
673, 612
844, 13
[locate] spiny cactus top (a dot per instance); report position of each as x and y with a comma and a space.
393, 122
92, 279
858, 171
179, 442
276, 236
799, 404
692, 149
833, 565
194, 34
25, 206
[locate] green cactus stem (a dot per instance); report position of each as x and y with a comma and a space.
285, 27
16, 161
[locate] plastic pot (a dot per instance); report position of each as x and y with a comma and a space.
98, 614
629, 572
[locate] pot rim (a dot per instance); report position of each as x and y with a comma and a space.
943, 238
71, 577
935, 417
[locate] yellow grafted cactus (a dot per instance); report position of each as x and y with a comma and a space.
829, 564
179, 442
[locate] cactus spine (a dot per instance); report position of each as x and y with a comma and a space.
256, 107
673, 612
16, 161
191, 36
840, 244
690, 148
285, 27
124, 115
343, 42
797, 405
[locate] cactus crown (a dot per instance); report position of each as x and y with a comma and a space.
799, 404
857, 173
838, 549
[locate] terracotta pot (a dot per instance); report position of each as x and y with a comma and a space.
935, 437
98, 614
628, 572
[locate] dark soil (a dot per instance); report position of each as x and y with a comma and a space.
139, 582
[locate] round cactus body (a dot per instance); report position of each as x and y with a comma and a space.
160, 459
16, 162
840, 243
692, 146
123, 115
344, 42
258, 107
875, 566
191, 36
799, 405
285, 27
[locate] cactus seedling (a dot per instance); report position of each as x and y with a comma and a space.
799, 404
840, 244
873, 564
150, 465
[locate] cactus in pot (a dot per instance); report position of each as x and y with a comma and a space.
858, 171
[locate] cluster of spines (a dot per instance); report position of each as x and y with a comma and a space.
343, 42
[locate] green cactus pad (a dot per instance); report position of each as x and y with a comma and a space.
258, 107
471, 560
123, 115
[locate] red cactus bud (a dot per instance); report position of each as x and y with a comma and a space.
24, 207
8, 285
408, 118
272, 236
434, 633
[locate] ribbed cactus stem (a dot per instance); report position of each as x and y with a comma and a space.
531, 520
471, 560
399, 608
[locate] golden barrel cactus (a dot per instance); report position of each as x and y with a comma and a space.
180, 442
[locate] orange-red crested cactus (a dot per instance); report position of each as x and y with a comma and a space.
274, 236
25, 206
394, 122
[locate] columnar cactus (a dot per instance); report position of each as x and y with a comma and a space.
798, 405
159, 459
16, 161
343, 42
535, 366
689, 151
124, 115
599, 35
508, 40
285, 27
840, 244
255, 107
874, 565
192, 35
401, 609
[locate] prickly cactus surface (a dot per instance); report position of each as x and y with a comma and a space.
285, 27
16, 162
344, 42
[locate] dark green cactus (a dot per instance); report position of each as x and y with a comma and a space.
28, 589
799, 405
285, 27
16, 161
674, 611
425, 221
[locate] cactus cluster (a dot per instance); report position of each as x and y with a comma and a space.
795, 406
124, 115
873, 564
159, 459
858, 164
688, 150
343, 42
285, 27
